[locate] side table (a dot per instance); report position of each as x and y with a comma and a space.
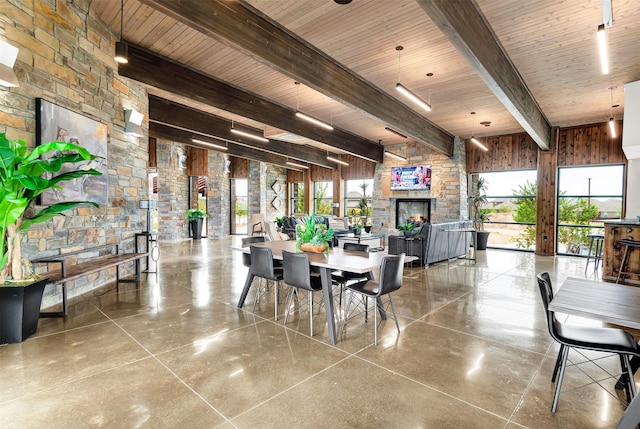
474, 237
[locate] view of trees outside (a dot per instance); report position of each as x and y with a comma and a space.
323, 197
357, 193
586, 197
240, 208
297, 198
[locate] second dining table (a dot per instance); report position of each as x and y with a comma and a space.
325, 263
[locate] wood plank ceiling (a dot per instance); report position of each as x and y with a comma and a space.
551, 44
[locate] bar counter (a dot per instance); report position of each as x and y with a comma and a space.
613, 231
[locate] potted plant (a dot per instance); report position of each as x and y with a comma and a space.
25, 174
313, 236
357, 230
479, 198
280, 222
195, 217
408, 229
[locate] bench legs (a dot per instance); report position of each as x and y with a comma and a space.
65, 307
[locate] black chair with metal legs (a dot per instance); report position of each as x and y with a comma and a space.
390, 280
631, 417
341, 278
298, 275
262, 266
246, 257
608, 340
598, 240
629, 246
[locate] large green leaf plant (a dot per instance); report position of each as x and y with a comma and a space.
23, 176
312, 232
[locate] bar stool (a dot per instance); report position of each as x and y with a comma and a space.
628, 246
598, 239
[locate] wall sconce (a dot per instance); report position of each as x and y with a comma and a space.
8, 55
132, 122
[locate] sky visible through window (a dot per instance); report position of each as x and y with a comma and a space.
605, 180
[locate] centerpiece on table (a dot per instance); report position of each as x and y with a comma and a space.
313, 236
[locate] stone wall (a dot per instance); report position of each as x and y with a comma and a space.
219, 196
448, 185
173, 192
276, 192
66, 57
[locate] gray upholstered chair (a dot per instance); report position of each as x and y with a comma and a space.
262, 266
341, 278
608, 340
390, 280
298, 275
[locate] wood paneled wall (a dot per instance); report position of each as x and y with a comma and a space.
573, 146
197, 161
508, 152
153, 152
590, 144
358, 168
239, 168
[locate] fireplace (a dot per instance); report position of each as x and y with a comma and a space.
413, 209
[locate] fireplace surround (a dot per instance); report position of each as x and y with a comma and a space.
411, 209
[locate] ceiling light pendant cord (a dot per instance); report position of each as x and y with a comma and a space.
121, 19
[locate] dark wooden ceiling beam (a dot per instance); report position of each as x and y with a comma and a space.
464, 25
159, 72
239, 25
173, 134
187, 118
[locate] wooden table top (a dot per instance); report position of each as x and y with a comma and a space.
336, 259
613, 303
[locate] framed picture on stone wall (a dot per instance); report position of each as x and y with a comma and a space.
56, 123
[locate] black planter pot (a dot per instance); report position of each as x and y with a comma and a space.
196, 228
20, 311
483, 237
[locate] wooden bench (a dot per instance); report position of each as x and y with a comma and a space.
60, 271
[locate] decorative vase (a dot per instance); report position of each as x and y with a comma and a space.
311, 248
20, 311
196, 228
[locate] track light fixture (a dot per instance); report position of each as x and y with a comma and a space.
398, 133
394, 155
248, 135
612, 122
602, 46
295, 164
406, 92
209, 144
336, 160
473, 139
122, 50
314, 121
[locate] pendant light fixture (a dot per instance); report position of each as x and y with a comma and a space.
612, 122
209, 144
336, 160
406, 92
310, 119
295, 164
248, 135
395, 155
473, 139
122, 50
602, 47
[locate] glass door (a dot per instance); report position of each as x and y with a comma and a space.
239, 210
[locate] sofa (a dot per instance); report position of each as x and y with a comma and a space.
433, 243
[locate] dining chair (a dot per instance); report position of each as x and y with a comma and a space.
341, 278
600, 339
390, 281
273, 234
246, 257
258, 221
298, 275
262, 266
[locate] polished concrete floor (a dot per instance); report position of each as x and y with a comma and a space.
175, 351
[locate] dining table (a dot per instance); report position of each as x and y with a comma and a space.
613, 303
325, 263
609, 302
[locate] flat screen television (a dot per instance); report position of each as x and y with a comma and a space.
417, 177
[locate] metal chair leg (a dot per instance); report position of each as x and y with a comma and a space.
555, 369
563, 365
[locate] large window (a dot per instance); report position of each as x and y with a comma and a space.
239, 193
357, 197
296, 201
323, 197
586, 197
511, 209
